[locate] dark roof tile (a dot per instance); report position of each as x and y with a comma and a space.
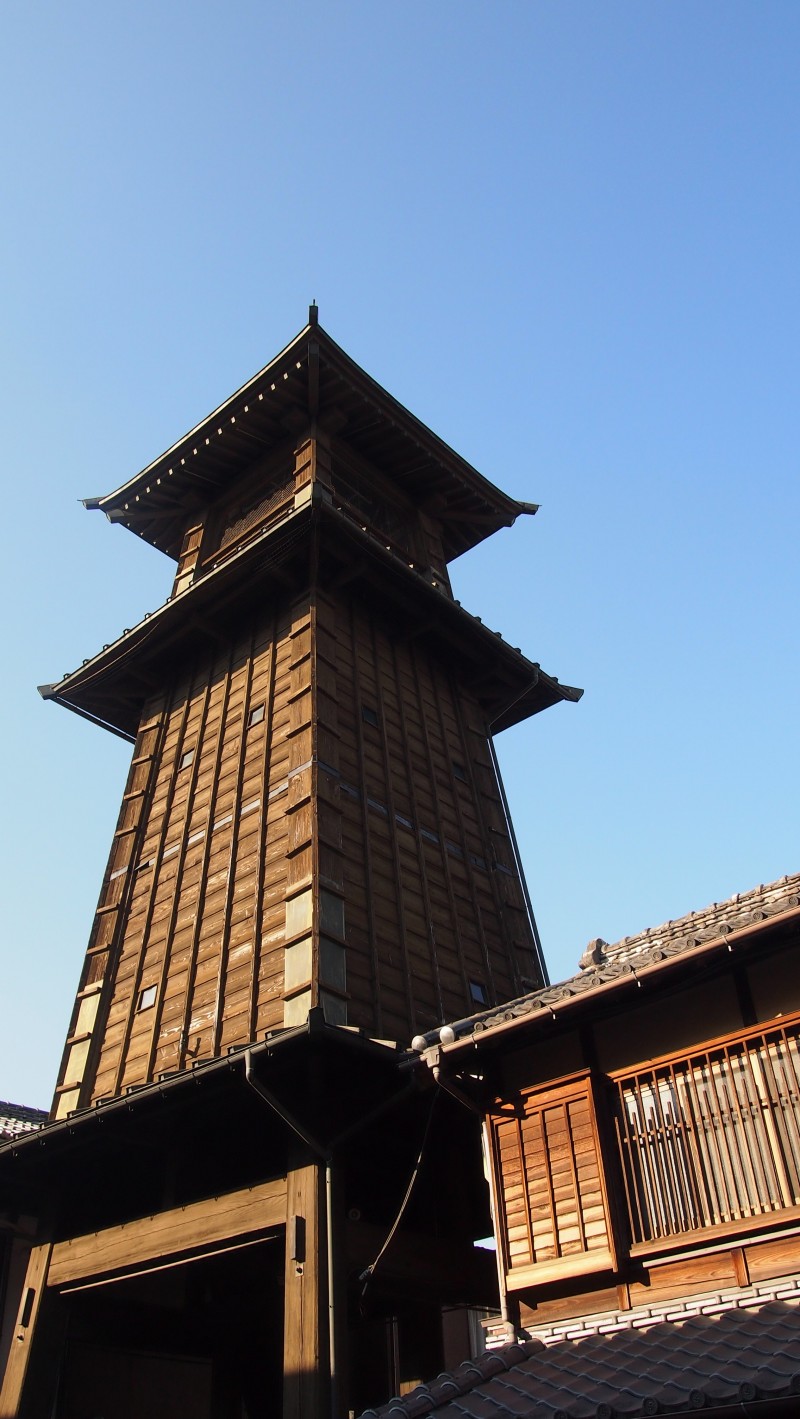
626, 959
17, 1119
735, 1356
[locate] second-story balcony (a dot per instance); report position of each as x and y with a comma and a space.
591, 1168
711, 1139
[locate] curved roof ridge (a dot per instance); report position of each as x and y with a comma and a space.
602, 965
766, 899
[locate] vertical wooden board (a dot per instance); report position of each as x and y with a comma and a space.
24, 1340
305, 1348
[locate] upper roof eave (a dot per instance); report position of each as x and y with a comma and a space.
213, 451
530, 689
109, 502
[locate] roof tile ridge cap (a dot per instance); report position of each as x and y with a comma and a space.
465, 1377
506, 1357
736, 904
476, 1024
417, 1402
578, 984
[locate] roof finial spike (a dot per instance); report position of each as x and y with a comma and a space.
313, 313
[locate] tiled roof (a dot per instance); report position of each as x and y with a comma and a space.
16, 1119
736, 1357
602, 965
744, 909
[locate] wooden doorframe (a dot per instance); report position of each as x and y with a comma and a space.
170, 1237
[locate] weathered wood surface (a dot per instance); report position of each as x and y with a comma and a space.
316, 743
168, 1233
36, 1280
550, 1182
305, 1383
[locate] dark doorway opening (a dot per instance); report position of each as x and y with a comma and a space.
202, 1337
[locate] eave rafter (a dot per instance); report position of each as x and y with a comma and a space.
114, 684
311, 381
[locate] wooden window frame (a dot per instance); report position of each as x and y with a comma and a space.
589, 1259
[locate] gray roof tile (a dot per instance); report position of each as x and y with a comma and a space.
604, 964
737, 1355
16, 1119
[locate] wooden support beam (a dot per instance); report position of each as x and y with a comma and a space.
30, 1314
305, 1349
169, 1233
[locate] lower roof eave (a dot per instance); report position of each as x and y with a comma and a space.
578, 991
85, 1120
111, 688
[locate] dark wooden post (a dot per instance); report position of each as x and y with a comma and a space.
35, 1344
306, 1388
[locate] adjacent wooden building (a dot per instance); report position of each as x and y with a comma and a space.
642, 1124
313, 860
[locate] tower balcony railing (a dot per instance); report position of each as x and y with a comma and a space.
711, 1139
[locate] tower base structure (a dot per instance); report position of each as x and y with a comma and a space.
205, 1245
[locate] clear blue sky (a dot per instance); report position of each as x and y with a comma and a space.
567, 236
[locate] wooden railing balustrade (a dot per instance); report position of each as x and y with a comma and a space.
713, 1137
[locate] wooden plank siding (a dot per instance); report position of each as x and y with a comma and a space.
198, 862
312, 818
25, 1331
441, 905
554, 1211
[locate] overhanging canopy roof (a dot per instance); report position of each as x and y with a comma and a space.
311, 380
111, 687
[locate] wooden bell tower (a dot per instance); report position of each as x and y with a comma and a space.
313, 860
313, 815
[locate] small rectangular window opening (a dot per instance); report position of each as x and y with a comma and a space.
147, 997
369, 716
256, 716
459, 771
185, 759
477, 991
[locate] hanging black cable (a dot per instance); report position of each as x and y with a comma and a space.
366, 1276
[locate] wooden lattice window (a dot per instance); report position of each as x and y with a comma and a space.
550, 1185
264, 507
712, 1138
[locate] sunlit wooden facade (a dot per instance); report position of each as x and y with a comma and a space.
643, 1119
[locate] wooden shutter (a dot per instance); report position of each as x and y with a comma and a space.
550, 1184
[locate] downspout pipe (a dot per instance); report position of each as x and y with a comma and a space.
515, 848
454, 1090
280, 1109
324, 1154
